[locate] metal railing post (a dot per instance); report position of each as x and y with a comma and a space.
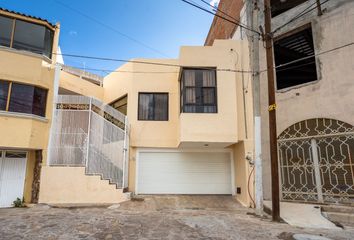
316, 165
88, 135
125, 150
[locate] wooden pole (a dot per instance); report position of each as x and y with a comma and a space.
272, 113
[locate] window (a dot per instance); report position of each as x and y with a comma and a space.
198, 91
121, 104
5, 31
153, 106
280, 6
4, 90
22, 98
27, 36
293, 46
33, 37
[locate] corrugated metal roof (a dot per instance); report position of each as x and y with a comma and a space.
26, 15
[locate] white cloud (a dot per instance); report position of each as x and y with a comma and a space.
73, 33
214, 3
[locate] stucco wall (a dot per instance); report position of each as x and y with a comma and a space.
147, 133
332, 95
60, 185
82, 87
183, 127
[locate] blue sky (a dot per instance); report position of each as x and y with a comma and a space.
164, 25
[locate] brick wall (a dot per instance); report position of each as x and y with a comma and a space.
221, 29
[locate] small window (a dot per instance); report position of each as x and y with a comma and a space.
4, 90
198, 91
280, 6
5, 31
153, 106
28, 99
121, 104
292, 47
33, 37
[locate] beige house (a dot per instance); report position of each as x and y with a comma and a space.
186, 128
153, 126
26, 93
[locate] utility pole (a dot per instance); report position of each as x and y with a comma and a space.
253, 15
272, 113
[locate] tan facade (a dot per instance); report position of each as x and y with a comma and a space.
22, 131
226, 128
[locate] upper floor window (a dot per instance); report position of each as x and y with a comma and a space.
153, 106
280, 6
22, 98
198, 91
293, 46
27, 36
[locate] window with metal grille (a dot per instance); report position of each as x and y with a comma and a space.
198, 91
280, 6
153, 106
291, 47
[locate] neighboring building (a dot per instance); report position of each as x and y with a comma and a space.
27, 73
315, 114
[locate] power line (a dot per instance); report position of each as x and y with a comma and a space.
111, 28
237, 23
119, 71
302, 13
218, 10
150, 63
311, 56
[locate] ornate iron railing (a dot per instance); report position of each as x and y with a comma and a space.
316, 161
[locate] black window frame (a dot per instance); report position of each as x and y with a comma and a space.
47, 50
198, 89
278, 9
35, 110
309, 60
154, 117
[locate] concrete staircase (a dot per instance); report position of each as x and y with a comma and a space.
340, 215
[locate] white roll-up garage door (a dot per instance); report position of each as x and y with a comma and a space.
184, 173
12, 176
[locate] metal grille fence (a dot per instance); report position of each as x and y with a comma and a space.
316, 162
87, 132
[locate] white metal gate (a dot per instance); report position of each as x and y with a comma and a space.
12, 176
87, 132
316, 161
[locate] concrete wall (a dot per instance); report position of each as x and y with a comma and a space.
79, 86
67, 185
329, 97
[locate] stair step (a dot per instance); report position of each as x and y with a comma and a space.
338, 209
346, 219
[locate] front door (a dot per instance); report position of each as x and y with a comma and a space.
12, 176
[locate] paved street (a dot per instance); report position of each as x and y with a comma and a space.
167, 217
